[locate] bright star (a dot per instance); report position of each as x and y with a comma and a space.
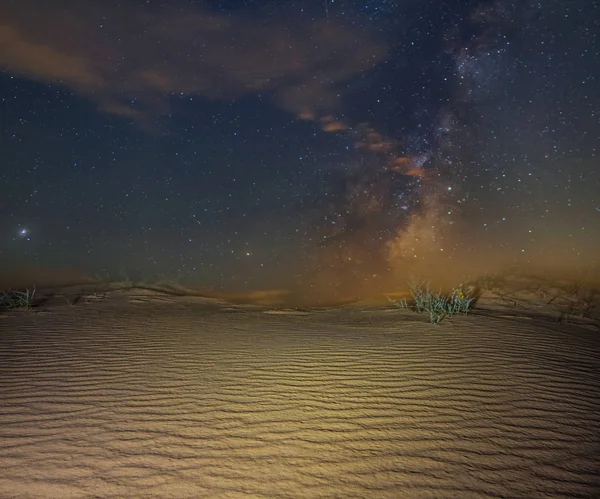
24, 234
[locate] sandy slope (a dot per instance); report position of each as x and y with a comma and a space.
155, 396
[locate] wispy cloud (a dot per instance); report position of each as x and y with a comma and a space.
115, 55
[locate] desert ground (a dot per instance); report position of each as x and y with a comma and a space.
133, 392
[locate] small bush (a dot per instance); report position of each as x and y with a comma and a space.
437, 304
17, 299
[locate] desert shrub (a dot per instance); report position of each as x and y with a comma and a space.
437, 304
17, 299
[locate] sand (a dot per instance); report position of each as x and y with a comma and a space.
141, 394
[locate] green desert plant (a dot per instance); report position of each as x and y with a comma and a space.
437, 304
17, 299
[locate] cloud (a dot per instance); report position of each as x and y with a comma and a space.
368, 138
331, 124
115, 55
408, 166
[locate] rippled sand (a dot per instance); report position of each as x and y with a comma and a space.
142, 395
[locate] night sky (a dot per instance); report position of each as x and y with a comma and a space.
332, 147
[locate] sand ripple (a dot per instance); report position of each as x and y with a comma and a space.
155, 400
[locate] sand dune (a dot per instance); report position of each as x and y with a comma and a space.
138, 394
